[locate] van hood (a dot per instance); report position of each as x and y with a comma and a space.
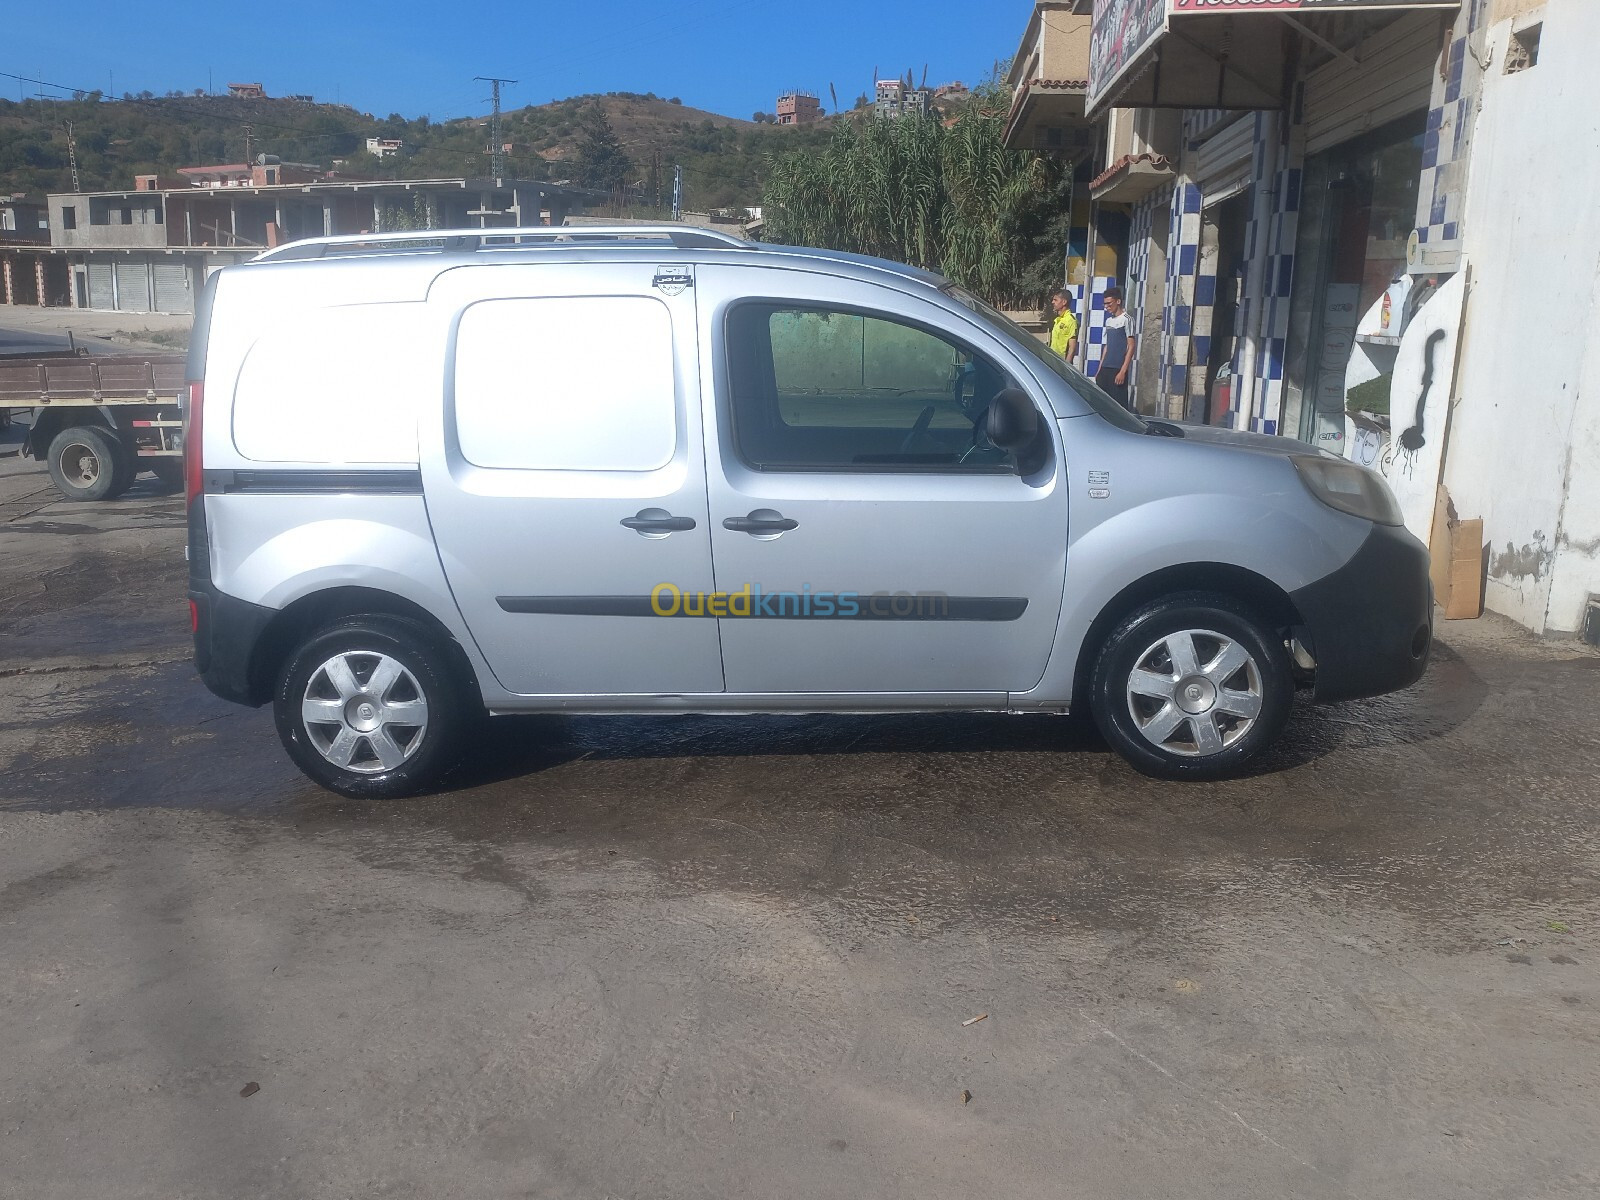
1265, 443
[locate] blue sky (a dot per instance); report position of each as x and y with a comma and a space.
414, 58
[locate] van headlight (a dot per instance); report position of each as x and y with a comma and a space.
1349, 488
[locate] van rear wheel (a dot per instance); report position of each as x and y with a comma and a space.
369, 707
1192, 686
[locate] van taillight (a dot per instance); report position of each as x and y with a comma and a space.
192, 443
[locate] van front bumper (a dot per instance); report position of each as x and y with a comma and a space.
1370, 623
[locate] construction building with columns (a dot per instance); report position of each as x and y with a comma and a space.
150, 249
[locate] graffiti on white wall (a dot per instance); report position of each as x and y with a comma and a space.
1419, 403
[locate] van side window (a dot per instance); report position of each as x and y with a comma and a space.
814, 388
332, 385
566, 384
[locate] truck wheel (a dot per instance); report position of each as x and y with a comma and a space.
87, 463
1192, 686
168, 472
369, 707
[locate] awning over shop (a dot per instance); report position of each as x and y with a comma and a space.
1131, 178
1219, 53
1047, 115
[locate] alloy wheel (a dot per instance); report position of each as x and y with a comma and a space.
364, 712
1194, 693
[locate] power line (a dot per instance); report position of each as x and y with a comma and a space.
173, 104
496, 146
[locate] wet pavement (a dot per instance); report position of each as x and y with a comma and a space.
695, 957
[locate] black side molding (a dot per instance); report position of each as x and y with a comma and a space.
291, 483
785, 606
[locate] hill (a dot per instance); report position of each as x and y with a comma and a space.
722, 157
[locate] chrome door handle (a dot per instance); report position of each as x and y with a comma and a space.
762, 520
656, 520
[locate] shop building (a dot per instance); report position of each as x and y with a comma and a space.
1241, 139
1281, 187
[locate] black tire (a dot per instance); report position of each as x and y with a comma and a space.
315, 747
1210, 736
87, 463
131, 466
168, 472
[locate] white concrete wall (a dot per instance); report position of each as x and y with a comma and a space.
1524, 449
1575, 575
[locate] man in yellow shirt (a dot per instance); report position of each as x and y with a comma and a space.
1064, 329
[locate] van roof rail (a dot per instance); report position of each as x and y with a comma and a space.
472, 240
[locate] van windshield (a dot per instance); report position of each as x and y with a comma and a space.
1039, 352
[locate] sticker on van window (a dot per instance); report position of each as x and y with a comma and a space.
672, 280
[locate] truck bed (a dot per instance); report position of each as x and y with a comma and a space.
119, 379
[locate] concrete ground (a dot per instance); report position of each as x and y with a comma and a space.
30, 330
736, 958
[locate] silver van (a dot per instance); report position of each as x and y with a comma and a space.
434, 476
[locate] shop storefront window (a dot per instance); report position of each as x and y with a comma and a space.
1352, 295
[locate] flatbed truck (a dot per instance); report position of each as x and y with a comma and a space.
97, 422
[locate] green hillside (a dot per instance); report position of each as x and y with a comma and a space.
722, 157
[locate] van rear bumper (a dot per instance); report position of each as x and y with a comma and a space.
226, 633
1371, 621
226, 630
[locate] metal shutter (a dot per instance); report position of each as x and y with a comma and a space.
100, 294
1395, 77
1223, 161
133, 286
172, 287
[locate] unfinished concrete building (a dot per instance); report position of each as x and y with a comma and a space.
150, 249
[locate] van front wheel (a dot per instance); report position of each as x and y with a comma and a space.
368, 707
1192, 687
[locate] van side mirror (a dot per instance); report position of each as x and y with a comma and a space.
1012, 422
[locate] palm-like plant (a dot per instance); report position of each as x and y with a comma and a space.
950, 198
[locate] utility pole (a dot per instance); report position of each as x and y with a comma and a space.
496, 154
72, 156
249, 144
677, 192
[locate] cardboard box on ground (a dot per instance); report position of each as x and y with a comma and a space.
1456, 563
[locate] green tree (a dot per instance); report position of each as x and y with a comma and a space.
600, 160
950, 199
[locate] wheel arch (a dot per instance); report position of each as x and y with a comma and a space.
293, 623
1256, 591
47, 422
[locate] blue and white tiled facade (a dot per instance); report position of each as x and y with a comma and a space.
1177, 316
1258, 366
1092, 317
1189, 290
1447, 143
1191, 286
1271, 237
